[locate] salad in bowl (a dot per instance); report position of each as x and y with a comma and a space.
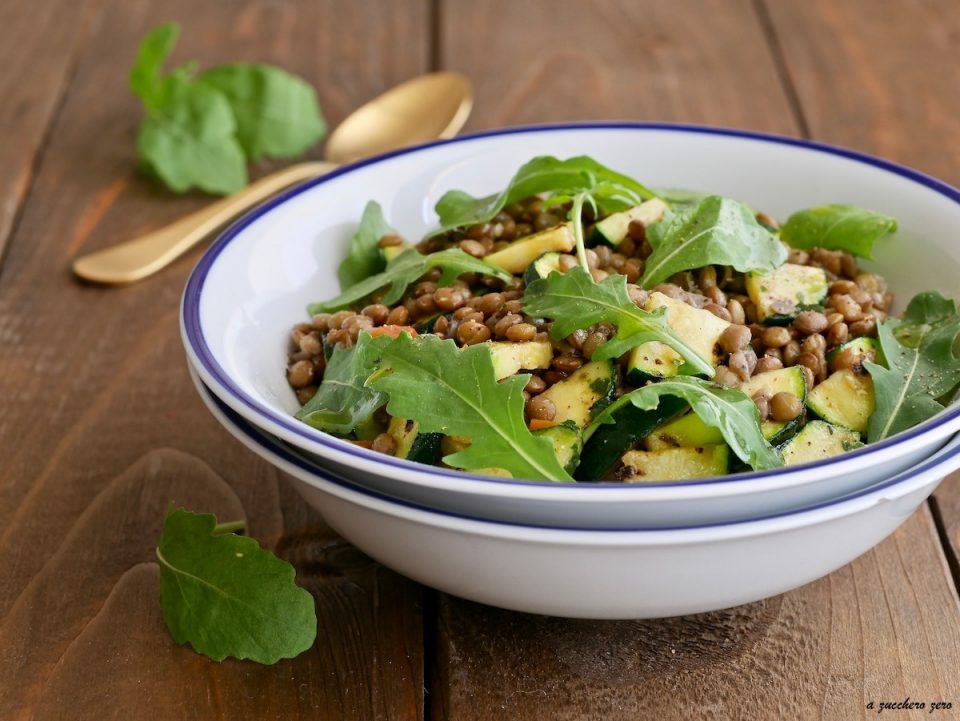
579, 327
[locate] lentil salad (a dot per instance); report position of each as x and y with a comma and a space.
758, 349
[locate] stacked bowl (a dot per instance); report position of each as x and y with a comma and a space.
597, 550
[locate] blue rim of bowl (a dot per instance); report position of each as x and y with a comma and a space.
190, 307
277, 447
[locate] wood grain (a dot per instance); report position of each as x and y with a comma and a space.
94, 382
883, 628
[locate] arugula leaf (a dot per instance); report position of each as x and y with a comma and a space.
365, 258
188, 138
574, 301
541, 175
728, 409
404, 270
922, 365
715, 231
226, 596
277, 113
455, 392
837, 227
343, 401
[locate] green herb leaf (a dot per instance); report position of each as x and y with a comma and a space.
226, 596
837, 227
543, 174
715, 231
404, 270
574, 301
455, 392
153, 52
343, 401
921, 365
365, 258
188, 138
728, 409
277, 113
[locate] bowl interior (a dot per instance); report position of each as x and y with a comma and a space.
259, 277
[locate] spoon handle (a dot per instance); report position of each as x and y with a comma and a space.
145, 255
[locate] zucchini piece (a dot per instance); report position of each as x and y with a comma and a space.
411, 444
567, 443
517, 256
542, 267
782, 380
510, 358
675, 464
581, 396
698, 328
614, 228
819, 440
688, 431
610, 441
392, 251
844, 399
863, 349
782, 293
776, 432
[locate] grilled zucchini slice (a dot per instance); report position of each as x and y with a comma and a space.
581, 396
687, 431
510, 358
567, 443
517, 256
844, 399
542, 267
614, 228
675, 464
411, 444
782, 293
818, 440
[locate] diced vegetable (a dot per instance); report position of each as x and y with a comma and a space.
845, 399
567, 442
392, 251
613, 229
819, 440
510, 358
782, 380
699, 328
782, 293
542, 267
411, 444
688, 431
862, 349
610, 441
517, 256
675, 464
579, 397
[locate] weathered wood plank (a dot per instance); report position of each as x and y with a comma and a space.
93, 381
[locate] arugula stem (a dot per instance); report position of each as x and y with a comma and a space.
229, 527
576, 213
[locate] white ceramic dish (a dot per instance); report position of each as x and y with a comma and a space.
256, 279
603, 573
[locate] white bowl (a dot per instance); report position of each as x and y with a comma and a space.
255, 281
605, 574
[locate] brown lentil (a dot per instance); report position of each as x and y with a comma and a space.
864, 327
734, 338
541, 408
810, 360
521, 332
717, 310
390, 240
767, 363
810, 321
736, 312
776, 337
300, 374
472, 332
784, 407
566, 363
837, 334
762, 401
791, 351
305, 394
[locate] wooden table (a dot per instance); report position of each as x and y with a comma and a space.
100, 426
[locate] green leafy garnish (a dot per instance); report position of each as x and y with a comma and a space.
342, 400
574, 302
715, 231
837, 227
226, 596
543, 174
455, 392
200, 130
921, 365
728, 409
404, 270
365, 258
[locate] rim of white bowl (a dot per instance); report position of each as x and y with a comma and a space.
219, 382
275, 452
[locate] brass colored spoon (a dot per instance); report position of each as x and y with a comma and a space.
424, 108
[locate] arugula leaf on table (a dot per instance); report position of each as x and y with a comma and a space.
455, 392
404, 270
365, 258
728, 409
837, 227
543, 174
199, 131
715, 231
343, 400
277, 113
226, 596
921, 364
574, 302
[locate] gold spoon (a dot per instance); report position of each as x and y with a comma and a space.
424, 108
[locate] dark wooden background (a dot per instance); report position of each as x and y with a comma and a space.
100, 426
